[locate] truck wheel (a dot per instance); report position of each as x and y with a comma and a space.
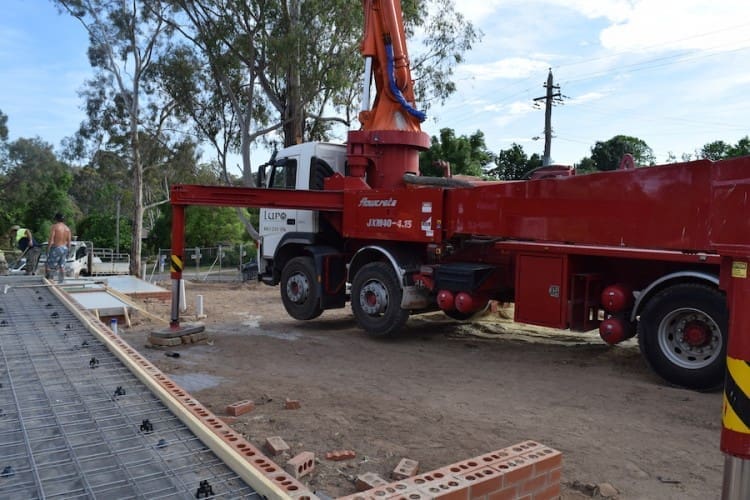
682, 333
299, 291
376, 300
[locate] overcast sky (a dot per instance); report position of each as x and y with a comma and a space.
675, 74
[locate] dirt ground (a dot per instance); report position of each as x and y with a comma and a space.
443, 392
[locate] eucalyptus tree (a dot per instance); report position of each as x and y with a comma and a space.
248, 68
122, 102
295, 65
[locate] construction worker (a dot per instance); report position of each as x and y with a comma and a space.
21, 238
58, 247
24, 241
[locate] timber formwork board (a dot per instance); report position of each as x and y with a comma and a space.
75, 422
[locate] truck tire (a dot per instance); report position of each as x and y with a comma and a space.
376, 300
299, 291
682, 334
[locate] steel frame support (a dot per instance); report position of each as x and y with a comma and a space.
177, 261
735, 432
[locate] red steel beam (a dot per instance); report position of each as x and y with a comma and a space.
233, 196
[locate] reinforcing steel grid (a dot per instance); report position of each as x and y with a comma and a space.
76, 423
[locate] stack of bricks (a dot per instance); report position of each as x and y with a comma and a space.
527, 470
171, 341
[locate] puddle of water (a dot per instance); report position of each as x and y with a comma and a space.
278, 335
196, 381
252, 321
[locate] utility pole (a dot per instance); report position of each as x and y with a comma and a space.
553, 96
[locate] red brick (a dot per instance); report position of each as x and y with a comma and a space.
240, 408
534, 484
291, 404
338, 455
551, 492
388, 490
508, 452
546, 460
301, 464
405, 468
275, 445
494, 457
465, 466
369, 480
509, 493
555, 475
449, 488
515, 470
483, 481
410, 494
228, 420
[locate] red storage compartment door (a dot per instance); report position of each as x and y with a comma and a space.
541, 290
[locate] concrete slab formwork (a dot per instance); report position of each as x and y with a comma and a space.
84, 415
75, 422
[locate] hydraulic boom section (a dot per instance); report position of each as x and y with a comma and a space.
388, 145
386, 58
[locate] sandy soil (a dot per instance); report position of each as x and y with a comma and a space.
442, 392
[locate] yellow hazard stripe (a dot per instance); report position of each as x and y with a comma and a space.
176, 266
736, 407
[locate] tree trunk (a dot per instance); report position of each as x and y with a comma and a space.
135, 244
293, 115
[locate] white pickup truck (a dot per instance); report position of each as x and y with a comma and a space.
80, 262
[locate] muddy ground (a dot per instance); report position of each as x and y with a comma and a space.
443, 392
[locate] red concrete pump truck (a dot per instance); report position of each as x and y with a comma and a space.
648, 251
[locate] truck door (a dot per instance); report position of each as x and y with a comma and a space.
300, 172
276, 222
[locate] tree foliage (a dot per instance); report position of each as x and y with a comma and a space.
720, 150
447, 36
35, 186
3, 127
466, 155
122, 102
302, 61
513, 163
101, 229
607, 155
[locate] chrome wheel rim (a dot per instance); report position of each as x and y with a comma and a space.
690, 338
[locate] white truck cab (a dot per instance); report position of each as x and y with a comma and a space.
300, 167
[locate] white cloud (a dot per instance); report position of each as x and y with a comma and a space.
520, 108
614, 10
475, 10
511, 68
653, 26
585, 98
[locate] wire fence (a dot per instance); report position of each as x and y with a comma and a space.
220, 263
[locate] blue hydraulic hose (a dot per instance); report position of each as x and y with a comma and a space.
419, 115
